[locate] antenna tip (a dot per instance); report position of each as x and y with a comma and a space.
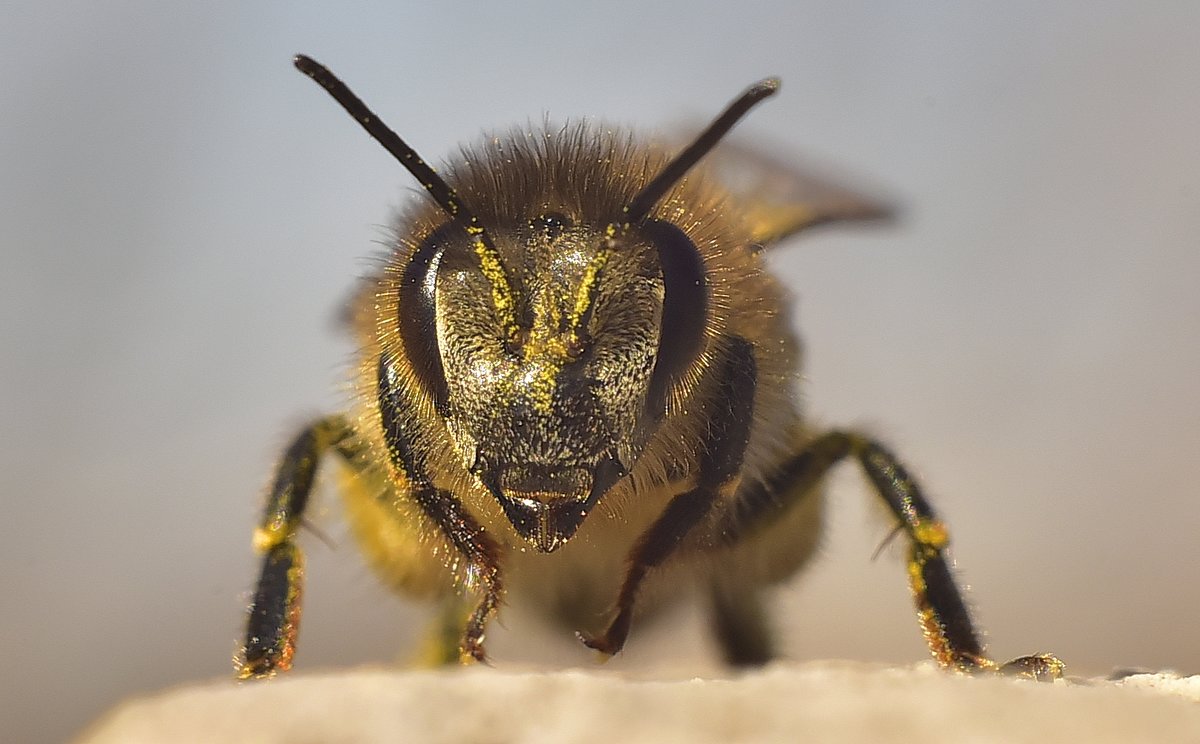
305, 63
765, 87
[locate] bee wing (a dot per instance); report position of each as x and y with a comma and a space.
781, 198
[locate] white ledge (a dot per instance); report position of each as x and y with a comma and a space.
823, 701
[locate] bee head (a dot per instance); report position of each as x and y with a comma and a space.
549, 347
551, 415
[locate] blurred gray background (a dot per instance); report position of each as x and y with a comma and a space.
182, 215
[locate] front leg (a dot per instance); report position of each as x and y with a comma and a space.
483, 568
720, 466
468, 537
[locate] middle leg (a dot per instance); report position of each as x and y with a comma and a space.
945, 620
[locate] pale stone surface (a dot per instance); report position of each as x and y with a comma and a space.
825, 701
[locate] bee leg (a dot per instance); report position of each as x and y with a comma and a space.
482, 572
740, 624
442, 644
275, 613
944, 617
720, 465
483, 564
469, 539
943, 614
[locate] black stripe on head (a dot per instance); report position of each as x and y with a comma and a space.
685, 309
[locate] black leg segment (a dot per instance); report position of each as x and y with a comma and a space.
719, 467
740, 624
444, 509
943, 615
275, 614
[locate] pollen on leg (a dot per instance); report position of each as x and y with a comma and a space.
931, 533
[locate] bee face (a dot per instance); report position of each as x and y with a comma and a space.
550, 419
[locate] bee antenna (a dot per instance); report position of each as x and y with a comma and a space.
641, 205
442, 193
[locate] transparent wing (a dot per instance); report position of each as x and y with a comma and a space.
781, 197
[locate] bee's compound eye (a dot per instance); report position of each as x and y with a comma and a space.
551, 224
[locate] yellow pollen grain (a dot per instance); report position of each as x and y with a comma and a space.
489, 264
268, 537
931, 533
583, 298
540, 389
915, 579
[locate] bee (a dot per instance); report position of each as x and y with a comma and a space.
575, 391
